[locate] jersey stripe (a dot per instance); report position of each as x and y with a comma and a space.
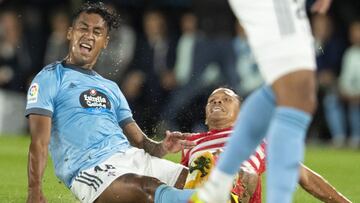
283, 16
215, 140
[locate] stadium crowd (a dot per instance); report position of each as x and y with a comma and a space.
167, 56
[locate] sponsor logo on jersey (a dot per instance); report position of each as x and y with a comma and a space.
33, 93
93, 99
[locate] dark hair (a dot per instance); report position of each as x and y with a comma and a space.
111, 18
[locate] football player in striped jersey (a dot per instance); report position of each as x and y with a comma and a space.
221, 111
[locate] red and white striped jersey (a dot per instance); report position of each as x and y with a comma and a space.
214, 141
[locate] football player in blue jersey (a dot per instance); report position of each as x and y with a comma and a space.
98, 150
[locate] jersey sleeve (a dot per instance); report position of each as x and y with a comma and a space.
41, 93
123, 112
262, 156
184, 157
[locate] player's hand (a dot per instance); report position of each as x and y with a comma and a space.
247, 181
321, 6
176, 141
37, 197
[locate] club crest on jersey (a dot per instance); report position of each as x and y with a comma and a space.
92, 92
33, 93
93, 99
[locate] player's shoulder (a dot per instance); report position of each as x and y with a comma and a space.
50, 72
196, 136
104, 79
52, 68
112, 84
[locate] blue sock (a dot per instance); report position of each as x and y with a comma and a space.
249, 130
284, 152
165, 194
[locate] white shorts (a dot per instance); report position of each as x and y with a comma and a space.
279, 34
90, 183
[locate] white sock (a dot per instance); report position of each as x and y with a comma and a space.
217, 188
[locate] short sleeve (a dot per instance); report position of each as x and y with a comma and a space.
123, 112
41, 93
184, 157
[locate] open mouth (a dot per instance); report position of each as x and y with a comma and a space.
217, 109
85, 47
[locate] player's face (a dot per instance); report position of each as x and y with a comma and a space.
222, 108
87, 37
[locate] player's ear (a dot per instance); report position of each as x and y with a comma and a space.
69, 33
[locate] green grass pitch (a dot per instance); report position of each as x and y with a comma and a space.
340, 167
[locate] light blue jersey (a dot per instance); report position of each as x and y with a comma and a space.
86, 111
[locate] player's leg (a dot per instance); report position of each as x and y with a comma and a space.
181, 180
165, 193
131, 176
282, 44
279, 35
295, 93
152, 187
170, 173
131, 188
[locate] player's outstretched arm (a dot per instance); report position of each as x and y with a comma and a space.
40, 127
317, 186
173, 141
249, 182
138, 138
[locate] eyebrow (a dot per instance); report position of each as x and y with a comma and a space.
87, 25
83, 23
99, 28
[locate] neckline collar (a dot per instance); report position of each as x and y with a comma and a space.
77, 68
220, 130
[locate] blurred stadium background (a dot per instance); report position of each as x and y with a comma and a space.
167, 57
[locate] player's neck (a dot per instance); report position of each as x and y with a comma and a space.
70, 61
219, 126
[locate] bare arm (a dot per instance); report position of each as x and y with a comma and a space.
172, 143
138, 139
317, 186
249, 182
38, 154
